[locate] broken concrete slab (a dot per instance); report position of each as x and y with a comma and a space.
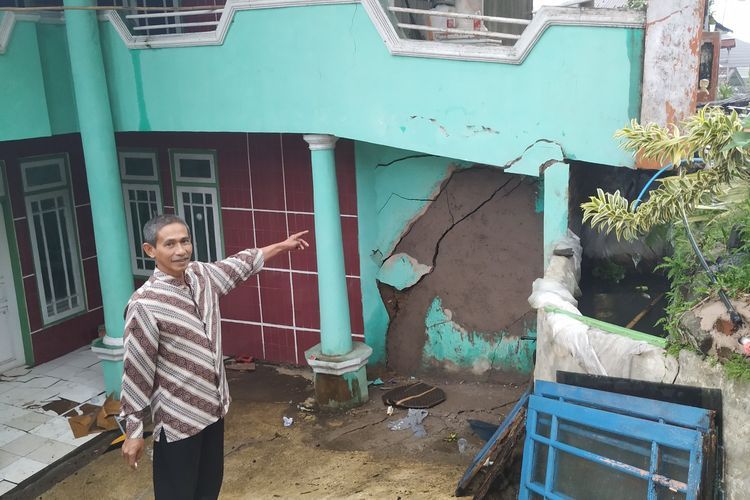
402, 271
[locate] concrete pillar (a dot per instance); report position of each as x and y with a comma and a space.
335, 327
338, 363
103, 174
670, 63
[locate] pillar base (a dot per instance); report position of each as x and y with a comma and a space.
111, 355
340, 381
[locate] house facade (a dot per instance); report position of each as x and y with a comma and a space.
431, 174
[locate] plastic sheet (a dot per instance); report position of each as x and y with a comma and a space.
413, 420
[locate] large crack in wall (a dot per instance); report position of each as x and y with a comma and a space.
483, 239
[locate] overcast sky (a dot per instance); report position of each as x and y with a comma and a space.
734, 14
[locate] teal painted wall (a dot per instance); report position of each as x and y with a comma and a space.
58, 80
324, 69
450, 345
23, 103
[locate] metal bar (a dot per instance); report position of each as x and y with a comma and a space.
652, 470
649, 409
611, 463
60, 229
549, 477
459, 15
174, 14
481, 34
636, 428
175, 25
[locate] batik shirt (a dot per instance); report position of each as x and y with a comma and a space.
173, 361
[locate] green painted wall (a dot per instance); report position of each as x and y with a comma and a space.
450, 345
324, 69
58, 80
23, 104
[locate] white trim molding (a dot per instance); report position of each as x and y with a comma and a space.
543, 19
319, 142
10, 18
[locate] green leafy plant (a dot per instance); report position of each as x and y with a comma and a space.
738, 367
609, 271
637, 4
720, 139
726, 91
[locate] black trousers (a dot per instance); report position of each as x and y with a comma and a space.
191, 468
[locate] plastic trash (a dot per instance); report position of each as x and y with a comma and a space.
462, 445
288, 421
413, 420
389, 411
377, 381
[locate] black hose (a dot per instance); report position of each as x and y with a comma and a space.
734, 316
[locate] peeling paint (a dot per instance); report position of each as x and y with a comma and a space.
451, 345
402, 271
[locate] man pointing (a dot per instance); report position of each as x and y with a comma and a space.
173, 359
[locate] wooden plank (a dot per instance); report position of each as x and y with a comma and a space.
491, 445
503, 451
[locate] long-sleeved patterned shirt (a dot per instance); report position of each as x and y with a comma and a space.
173, 359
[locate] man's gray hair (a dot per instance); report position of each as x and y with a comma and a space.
153, 226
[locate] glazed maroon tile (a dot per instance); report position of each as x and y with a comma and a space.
242, 302
276, 297
304, 260
346, 175
91, 280
351, 245
355, 305
306, 340
270, 227
65, 337
86, 240
240, 339
32, 303
306, 305
297, 173
265, 168
24, 247
280, 345
237, 229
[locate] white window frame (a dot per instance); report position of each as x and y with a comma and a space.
75, 259
27, 164
123, 155
159, 209
180, 206
177, 156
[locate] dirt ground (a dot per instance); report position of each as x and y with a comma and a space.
344, 455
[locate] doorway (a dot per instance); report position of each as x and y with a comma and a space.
11, 346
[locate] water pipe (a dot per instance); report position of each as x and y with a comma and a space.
734, 316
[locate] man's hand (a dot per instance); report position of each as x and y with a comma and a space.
294, 242
132, 449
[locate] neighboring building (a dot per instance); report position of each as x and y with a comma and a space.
450, 172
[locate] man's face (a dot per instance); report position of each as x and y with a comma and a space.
173, 249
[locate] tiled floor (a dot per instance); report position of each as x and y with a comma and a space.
34, 406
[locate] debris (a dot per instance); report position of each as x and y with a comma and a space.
462, 445
418, 395
309, 405
497, 450
242, 367
413, 420
81, 425
377, 381
105, 419
389, 411
288, 421
484, 430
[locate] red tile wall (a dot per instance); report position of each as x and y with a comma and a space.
49, 342
265, 189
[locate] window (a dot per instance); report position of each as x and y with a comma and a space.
49, 210
625, 446
142, 195
197, 201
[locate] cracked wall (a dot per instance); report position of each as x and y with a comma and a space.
481, 237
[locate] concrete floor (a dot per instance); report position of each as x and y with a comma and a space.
349, 455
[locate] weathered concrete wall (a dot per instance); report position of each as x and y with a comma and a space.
564, 343
671, 60
481, 237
